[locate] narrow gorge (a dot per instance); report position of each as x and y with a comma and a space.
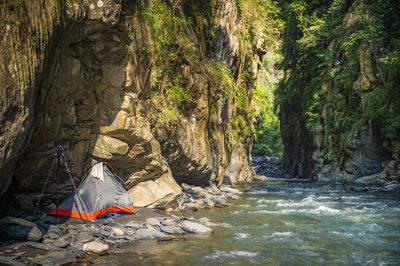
290, 108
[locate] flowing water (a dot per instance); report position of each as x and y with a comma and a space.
285, 222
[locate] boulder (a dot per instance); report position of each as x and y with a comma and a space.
24, 233
214, 189
208, 203
148, 233
365, 179
84, 237
172, 230
153, 222
56, 243
95, 247
195, 228
231, 196
219, 201
56, 258
161, 193
134, 225
191, 206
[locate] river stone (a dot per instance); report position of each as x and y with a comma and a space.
231, 196
192, 206
84, 237
148, 233
95, 247
56, 243
365, 179
214, 189
195, 228
117, 231
229, 190
134, 225
172, 230
153, 221
56, 258
219, 201
208, 203
24, 233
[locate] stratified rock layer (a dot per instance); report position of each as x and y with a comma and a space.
69, 77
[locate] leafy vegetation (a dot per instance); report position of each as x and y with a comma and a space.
341, 60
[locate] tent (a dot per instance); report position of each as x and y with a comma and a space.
98, 195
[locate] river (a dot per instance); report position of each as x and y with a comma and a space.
284, 222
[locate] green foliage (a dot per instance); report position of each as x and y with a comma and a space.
268, 136
322, 53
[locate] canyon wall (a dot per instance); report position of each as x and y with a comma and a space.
152, 87
339, 111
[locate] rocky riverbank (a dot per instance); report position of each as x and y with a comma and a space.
45, 241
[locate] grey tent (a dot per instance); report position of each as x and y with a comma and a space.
98, 194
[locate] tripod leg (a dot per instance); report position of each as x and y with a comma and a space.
44, 186
58, 180
69, 172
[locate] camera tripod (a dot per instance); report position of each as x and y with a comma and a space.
57, 156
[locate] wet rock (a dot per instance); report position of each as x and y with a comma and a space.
219, 201
153, 222
231, 196
208, 203
148, 233
190, 206
366, 179
24, 233
95, 247
260, 178
229, 190
195, 228
56, 258
172, 230
393, 186
215, 189
207, 222
358, 188
267, 166
117, 231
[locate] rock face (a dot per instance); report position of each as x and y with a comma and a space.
341, 128
83, 75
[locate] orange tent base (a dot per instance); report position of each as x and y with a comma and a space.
91, 216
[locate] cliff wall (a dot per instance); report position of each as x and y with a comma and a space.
159, 89
339, 98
